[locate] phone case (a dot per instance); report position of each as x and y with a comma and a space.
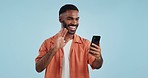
96, 40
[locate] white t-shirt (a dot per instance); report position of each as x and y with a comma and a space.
66, 60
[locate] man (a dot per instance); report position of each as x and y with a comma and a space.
67, 55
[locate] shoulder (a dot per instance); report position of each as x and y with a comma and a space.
49, 40
82, 40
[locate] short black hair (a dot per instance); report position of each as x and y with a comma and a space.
67, 7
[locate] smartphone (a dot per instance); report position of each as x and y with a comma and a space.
95, 40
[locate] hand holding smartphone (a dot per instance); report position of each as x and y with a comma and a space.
95, 40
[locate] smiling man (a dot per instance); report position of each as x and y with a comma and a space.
67, 55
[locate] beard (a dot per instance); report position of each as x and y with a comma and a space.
70, 27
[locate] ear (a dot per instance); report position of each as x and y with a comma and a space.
60, 19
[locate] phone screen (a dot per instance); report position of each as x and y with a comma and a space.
96, 40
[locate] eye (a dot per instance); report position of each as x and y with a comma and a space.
77, 19
69, 18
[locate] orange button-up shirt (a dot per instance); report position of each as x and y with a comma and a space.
79, 58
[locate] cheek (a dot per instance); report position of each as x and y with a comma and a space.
78, 22
68, 22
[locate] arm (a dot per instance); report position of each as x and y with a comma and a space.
42, 63
97, 63
96, 52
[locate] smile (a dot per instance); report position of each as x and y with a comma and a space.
72, 27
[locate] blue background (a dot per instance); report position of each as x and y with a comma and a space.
122, 24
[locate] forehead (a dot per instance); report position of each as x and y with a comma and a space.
71, 13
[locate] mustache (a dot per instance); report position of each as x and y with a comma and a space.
73, 25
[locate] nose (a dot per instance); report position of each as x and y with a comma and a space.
74, 22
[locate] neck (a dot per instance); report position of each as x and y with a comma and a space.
69, 37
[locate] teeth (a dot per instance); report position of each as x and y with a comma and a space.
72, 27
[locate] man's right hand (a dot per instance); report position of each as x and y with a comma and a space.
60, 42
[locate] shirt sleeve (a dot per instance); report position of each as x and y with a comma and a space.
42, 51
90, 58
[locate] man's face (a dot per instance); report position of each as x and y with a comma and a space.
70, 20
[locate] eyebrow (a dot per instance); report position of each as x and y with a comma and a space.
73, 18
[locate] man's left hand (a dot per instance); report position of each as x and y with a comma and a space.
95, 50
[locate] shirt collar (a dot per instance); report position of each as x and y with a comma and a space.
76, 38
